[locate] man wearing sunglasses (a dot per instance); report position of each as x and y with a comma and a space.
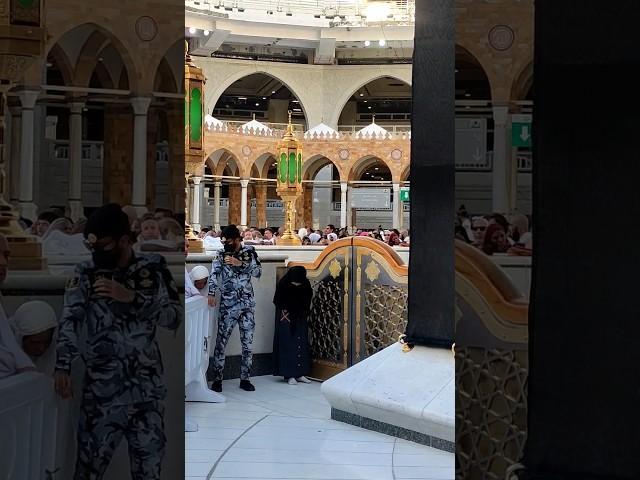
231, 275
116, 301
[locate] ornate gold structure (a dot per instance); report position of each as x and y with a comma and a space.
193, 130
22, 39
289, 181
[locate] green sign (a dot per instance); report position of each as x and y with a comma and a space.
521, 130
404, 195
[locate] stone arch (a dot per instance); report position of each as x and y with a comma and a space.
213, 96
60, 60
467, 55
360, 165
522, 82
362, 80
169, 70
406, 172
226, 160
99, 39
314, 164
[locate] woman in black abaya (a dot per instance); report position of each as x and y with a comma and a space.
291, 354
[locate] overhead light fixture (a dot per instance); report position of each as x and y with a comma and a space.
257, 104
242, 98
467, 94
206, 33
369, 107
367, 43
192, 30
382, 42
362, 94
365, 101
264, 98
272, 92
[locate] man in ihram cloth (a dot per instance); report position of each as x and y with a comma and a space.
116, 301
231, 276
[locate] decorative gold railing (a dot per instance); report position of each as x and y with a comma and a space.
360, 307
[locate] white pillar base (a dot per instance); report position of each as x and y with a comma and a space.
28, 210
199, 391
76, 210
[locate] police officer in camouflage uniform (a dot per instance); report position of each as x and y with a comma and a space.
117, 301
231, 275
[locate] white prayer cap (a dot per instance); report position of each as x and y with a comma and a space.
34, 317
199, 272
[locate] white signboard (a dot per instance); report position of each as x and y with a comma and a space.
471, 143
366, 198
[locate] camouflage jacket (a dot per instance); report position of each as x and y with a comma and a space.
121, 354
234, 283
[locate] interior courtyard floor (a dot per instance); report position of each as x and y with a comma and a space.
284, 432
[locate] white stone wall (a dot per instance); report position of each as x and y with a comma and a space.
323, 90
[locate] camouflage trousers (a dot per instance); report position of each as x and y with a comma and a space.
227, 321
101, 430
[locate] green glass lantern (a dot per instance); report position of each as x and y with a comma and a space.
289, 181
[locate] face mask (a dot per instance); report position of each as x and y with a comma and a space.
229, 248
106, 259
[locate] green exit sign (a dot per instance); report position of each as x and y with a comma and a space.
404, 195
521, 130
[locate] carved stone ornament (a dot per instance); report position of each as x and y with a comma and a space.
501, 37
146, 28
396, 154
246, 150
343, 154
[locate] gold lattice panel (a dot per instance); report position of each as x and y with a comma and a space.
385, 316
326, 321
491, 411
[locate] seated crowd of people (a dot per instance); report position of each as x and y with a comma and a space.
160, 230
495, 233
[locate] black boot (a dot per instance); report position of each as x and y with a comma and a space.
246, 386
216, 386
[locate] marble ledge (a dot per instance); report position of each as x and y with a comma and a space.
412, 392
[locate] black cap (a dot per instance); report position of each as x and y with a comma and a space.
107, 221
230, 232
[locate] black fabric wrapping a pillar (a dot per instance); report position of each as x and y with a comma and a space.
431, 265
584, 382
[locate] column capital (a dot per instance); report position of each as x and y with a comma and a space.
217, 183
76, 107
344, 186
396, 187
140, 105
196, 180
244, 182
500, 114
28, 98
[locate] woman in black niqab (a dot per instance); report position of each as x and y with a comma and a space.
291, 353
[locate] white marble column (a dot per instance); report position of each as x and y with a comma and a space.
244, 184
343, 204
27, 208
139, 181
397, 207
198, 195
14, 154
75, 160
350, 226
501, 159
217, 187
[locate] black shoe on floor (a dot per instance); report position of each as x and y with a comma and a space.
247, 386
216, 386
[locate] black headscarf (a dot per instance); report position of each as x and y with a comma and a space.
295, 299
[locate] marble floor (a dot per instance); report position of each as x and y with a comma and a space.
284, 432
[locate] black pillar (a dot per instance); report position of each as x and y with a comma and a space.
431, 265
584, 382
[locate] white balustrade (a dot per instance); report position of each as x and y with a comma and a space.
198, 337
28, 417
